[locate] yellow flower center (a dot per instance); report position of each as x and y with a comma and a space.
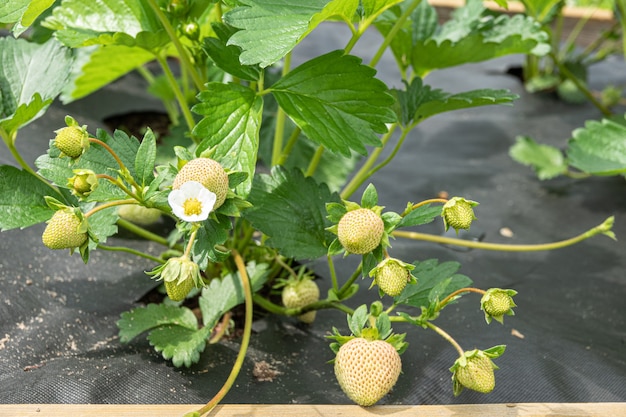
192, 206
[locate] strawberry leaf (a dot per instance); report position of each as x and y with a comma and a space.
139, 320
270, 29
430, 274
357, 105
85, 22
290, 209
180, 344
421, 215
146, 158
231, 123
370, 197
358, 320
222, 294
599, 148
419, 101
22, 201
547, 161
31, 76
214, 231
22, 12
225, 56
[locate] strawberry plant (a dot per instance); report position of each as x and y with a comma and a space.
260, 170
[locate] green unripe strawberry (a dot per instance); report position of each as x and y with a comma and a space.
458, 213
391, 276
367, 369
477, 373
177, 291
62, 231
300, 293
360, 231
137, 214
72, 141
207, 172
496, 303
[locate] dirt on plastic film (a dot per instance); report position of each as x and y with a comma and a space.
566, 343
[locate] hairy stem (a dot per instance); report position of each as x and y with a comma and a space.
452, 296
141, 232
131, 251
446, 336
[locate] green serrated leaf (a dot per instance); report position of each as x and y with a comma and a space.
599, 148
473, 36
145, 159
103, 224
226, 57
223, 294
270, 29
23, 13
421, 215
290, 209
180, 344
214, 231
429, 274
383, 325
357, 105
231, 126
31, 76
22, 201
139, 320
547, 161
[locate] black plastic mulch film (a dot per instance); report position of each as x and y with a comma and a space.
58, 339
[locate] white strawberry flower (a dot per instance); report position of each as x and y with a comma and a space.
192, 202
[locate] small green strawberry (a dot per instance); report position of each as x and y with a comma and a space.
83, 183
72, 141
207, 172
360, 231
367, 369
392, 276
474, 370
64, 230
140, 215
299, 293
458, 213
177, 291
179, 275
496, 303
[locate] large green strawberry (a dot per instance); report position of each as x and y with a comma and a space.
367, 369
64, 231
360, 231
72, 141
474, 370
177, 291
392, 275
299, 293
208, 173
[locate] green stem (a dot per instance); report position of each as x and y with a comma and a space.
350, 281
131, 251
192, 239
361, 176
289, 146
141, 232
184, 58
392, 155
604, 228
315, 161
182, 102
318, 305
451, 296
423, 203
392, 33
446, 336
108, 205
581, 86
281, 117
245, 340
333, 273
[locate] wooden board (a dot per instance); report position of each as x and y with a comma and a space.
302, 410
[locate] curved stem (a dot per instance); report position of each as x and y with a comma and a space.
222, 328
289, 146
123, 170
450, 297
392, 33
446, 336
350, 281
362, 174
391, 155
604, 228
131, 251
184, 58
109, 205
140, 231
192, 239
423, 203
245, 340
273, 308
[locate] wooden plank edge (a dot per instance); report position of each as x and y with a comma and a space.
322, 410
572, 12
